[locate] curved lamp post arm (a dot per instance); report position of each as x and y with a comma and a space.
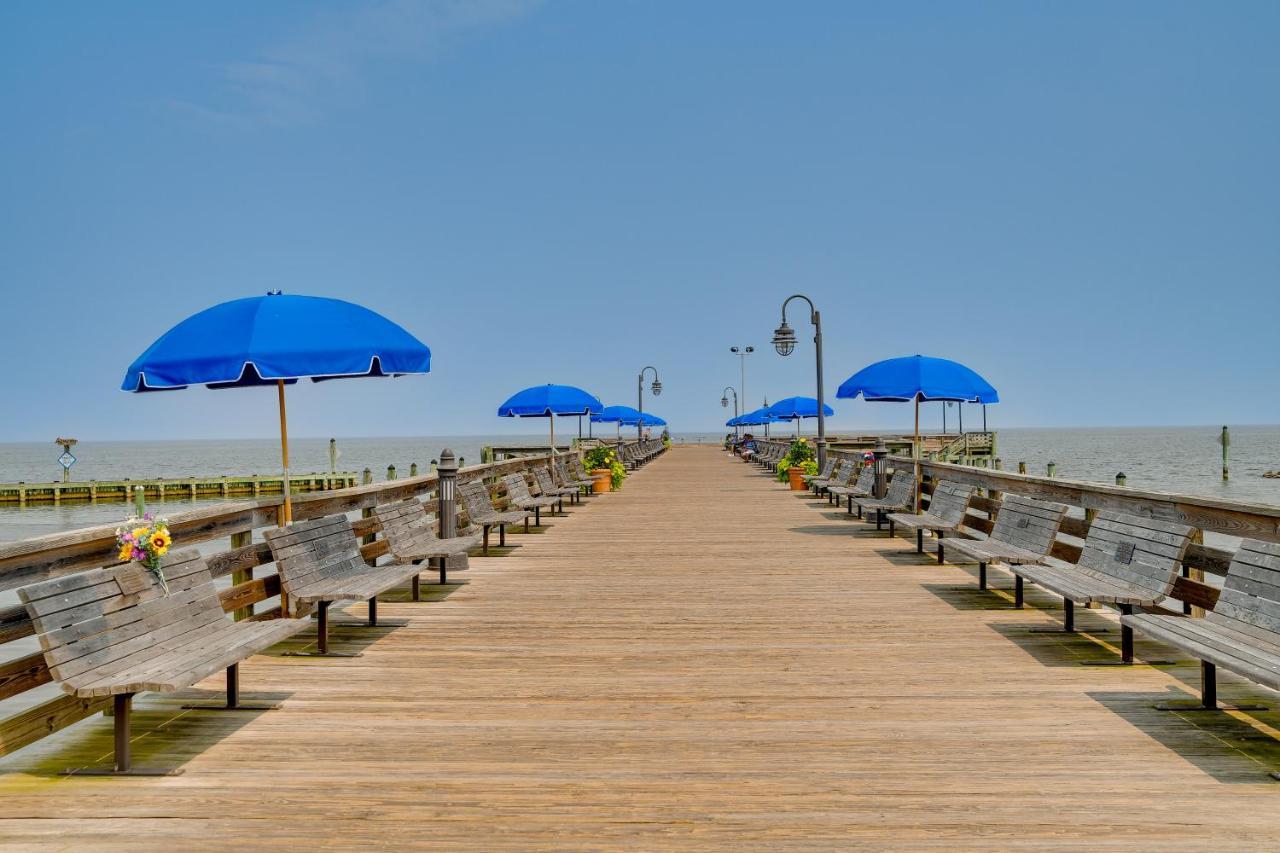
724, 401
656, 387
784, 341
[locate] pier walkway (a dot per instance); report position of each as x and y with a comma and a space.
702, 659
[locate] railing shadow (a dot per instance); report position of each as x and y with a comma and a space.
1234, 748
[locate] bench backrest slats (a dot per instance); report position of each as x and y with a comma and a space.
828, 469
88, 620
1028, 523
321, 549
476, 501
901, 489
1250, 598
843, 474
950, 501
406, 526
866, 478
1132, 550
545, 484
517, 487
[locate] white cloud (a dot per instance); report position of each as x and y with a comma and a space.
297, 79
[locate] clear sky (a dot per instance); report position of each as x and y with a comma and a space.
1079, 200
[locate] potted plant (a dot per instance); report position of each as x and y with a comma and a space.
795, 465
606, 469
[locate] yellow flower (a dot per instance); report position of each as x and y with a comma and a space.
126, 553
139, 533
159, 541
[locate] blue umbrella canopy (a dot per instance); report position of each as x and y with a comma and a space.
276, 340
649, 419
757, 418
793, 408
615, 414
263, 340
918, 377
544, 401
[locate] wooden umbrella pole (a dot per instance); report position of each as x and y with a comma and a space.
915, 454
552, 418
286, 515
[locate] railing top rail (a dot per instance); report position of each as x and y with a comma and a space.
1231, 518
27, 560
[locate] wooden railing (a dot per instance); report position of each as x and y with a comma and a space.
1208, 515
36, 559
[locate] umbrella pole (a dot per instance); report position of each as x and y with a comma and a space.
915, 454
287, 509
552, 419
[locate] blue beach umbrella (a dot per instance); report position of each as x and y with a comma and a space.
276, 340
616, 415
547, 401
796, 408
917, 379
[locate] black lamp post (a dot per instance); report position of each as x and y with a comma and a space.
742, 353
656, 388
784, 341
724, 401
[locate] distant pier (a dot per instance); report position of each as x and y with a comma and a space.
92, 491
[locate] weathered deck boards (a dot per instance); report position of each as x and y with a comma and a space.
738, 666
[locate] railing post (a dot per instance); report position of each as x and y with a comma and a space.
881, 453
140, 501
1121, 479
413, 469
239, 540
1051, 469
1022, 467
391, 472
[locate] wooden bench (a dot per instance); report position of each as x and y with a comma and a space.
411, 538
1241, 633
114, 632
518, 494
900, 495
820, 478
841, 476
548, 488
1023, 534
1127, 562
319, 562
947, 509
480, 511
863, 487
567, 478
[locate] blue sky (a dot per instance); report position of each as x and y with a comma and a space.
1080, 200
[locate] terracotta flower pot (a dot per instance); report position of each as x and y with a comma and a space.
796, 476
603, 478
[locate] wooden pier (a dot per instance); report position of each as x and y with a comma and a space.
92, 491
702, 660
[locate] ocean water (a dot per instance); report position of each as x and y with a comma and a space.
1176, 459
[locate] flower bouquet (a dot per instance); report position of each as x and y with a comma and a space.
145, 540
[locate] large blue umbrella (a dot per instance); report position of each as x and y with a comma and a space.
546, 401
649, 419
796, 408
616, 415
277, 340
918, 378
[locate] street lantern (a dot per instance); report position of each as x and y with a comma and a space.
784, 341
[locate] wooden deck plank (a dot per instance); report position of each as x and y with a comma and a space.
702, 659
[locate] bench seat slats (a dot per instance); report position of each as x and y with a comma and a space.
1241, 653
518, 493
99, 640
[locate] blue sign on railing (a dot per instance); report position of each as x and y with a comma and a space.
67, 459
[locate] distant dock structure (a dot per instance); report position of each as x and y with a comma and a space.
186, 488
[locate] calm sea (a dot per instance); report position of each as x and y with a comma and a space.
1179, 459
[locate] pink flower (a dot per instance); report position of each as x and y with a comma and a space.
139, 554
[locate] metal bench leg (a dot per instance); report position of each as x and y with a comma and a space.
322, 637
537, 517
879, 519
417, 588
982, 575
1126, 647
919, 540
484, 550
122, 764
940, 550
233, 697
502, 535
1018, 597
891, 533
1208, 697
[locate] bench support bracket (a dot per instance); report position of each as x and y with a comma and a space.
122, 706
